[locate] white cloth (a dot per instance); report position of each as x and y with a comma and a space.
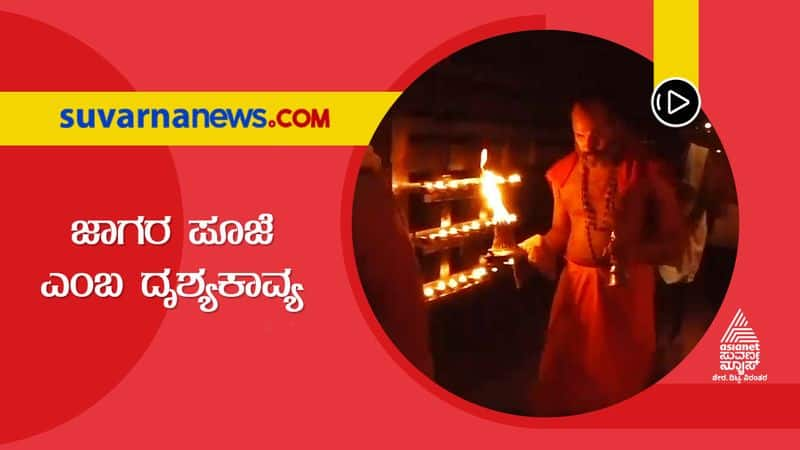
693, 252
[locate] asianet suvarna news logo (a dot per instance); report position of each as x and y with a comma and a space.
739, 353
154, 118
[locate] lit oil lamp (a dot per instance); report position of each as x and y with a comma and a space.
503, 220
504, 245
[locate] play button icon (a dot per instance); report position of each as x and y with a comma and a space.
675, 102
684, 102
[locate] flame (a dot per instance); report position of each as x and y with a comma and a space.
478, 272
489, 182
445, 222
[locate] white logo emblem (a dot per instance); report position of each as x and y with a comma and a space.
739, 352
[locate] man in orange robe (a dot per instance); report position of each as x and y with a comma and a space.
600, 341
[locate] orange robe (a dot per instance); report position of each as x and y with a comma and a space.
600, 342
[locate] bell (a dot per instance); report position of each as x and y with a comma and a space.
616, 275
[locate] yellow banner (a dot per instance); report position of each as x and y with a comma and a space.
676, 40
191, 118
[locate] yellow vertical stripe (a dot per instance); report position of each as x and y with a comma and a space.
676, 30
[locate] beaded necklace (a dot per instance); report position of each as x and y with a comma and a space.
591, 214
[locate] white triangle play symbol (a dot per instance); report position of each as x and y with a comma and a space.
684, 102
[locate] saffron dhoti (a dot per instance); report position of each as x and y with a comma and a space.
600, 343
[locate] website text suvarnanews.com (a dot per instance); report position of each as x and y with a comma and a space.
194, 118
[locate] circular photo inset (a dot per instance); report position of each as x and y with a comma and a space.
530, 237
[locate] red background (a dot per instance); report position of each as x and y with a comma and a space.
252, 374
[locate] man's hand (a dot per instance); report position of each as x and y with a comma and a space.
533, 248
539, 255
